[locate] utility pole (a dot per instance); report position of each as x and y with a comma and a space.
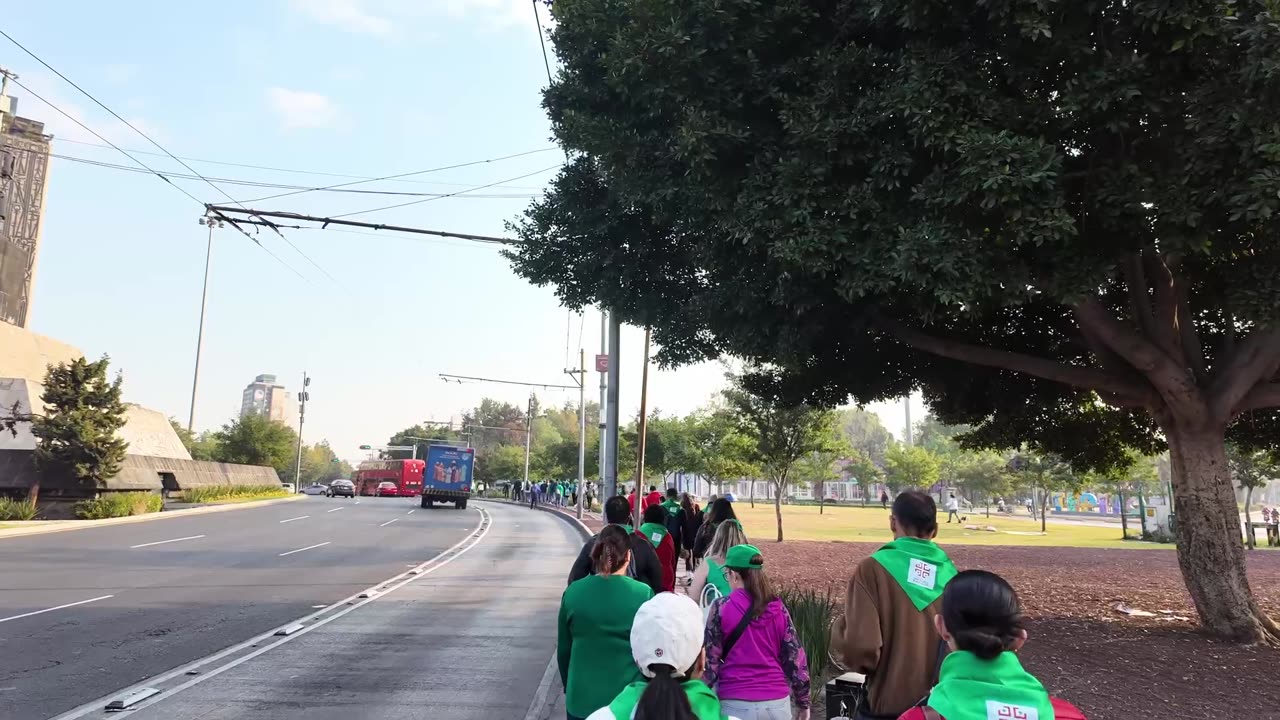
302, 416
644, 427
204, 301
610, 448
582, 428
906, 404
604, 351
528, 438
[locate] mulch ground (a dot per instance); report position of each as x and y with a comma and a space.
1113, 666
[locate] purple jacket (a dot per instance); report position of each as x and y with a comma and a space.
767, 663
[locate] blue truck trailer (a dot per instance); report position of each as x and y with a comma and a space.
447, 476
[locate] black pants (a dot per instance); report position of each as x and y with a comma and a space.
953, 513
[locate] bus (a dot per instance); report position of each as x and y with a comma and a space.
406, 474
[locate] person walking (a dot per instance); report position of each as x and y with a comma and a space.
982, 624
655, 530
887, 630
884, 499
534, 493
721, 509
709, 583
755, 662
666, 644
644, 565
690, 522
593, 647
953, 508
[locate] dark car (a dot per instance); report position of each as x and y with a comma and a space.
342, 488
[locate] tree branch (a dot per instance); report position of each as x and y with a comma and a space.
1165, 325
1260, 396
1074, 375
1176, 386
1135, 278
1254, 360
1192, 348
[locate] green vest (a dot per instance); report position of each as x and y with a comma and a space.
716, 578
671, 506
705, 704
921, 568
970, 688
654, 533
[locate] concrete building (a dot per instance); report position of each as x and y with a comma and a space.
24, 178
268, 398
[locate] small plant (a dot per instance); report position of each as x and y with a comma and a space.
119, 504
220, 493
811, 612
11, 509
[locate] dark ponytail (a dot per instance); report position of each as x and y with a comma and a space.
663, 698
609, 553
982, 613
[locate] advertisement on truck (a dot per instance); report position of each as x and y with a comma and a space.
447, 476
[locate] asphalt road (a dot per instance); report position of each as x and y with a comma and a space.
87, 612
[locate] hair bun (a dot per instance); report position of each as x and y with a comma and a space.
982, 642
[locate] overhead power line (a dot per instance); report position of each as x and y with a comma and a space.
327, 221
153, 171
149, 139
449, 195
296, 171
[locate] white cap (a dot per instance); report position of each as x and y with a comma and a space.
667, 630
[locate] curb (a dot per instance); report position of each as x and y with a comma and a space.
87, 524
577, 524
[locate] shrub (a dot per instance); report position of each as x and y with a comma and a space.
11, 509
811, 612
218, 493
118, 504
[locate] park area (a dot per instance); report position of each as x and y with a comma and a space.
1072, 581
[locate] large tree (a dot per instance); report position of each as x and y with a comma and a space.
258, 440
911, 466
1251, 470
1057, 220
77, 432
863, 431
719, 448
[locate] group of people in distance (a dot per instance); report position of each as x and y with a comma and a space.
558, 494
933, 643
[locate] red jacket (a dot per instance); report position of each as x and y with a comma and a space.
667, 558
653, 498
1062, 710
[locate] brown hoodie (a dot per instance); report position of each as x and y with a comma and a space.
885, 637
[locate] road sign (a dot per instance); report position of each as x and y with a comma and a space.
602, 363
366, 447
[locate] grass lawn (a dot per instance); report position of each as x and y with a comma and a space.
857, 524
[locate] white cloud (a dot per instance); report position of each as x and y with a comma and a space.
301, 109
351, 15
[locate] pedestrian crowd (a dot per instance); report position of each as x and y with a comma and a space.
555, 493
933, 643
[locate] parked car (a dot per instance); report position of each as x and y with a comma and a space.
388, 489
315, 489
344, 488
289, 487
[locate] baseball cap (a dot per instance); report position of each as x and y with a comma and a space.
741, 557
667, 630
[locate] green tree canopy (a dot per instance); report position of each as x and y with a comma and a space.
1058, 220
257, 440
719, 447
862, 430
76, 433
910, 466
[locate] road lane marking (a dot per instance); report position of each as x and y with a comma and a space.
60, 607
442, 559
309, 547
388, 522
411, 511
162, 542
336, 509
300, 517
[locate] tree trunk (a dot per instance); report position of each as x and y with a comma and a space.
33, 492
1044, 511
777, 508
1210, 553
1249, 537
822, 498
1124, 517
753, 492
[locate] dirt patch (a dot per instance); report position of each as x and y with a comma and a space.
1113, 666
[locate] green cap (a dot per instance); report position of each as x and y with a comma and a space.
740, 557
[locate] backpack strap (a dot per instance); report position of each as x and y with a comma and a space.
734, 636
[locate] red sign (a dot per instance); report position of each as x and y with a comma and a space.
602, 363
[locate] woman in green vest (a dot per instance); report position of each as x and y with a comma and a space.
593, 648
709, 582
666, 644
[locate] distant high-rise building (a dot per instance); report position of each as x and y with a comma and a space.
24, 177
265, 397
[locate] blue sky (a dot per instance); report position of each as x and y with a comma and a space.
352, 87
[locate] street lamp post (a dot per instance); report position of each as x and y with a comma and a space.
302, 415
204, 301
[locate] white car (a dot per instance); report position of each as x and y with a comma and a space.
315, 489
288, 486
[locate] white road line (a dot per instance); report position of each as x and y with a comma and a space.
300, 517
162, 542
60, 607
309, 547
336, 509
395, 583
388, 522
411, 512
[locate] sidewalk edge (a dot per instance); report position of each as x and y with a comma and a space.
87, 524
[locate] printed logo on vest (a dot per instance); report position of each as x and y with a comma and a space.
997, 710
656, 537
923, 574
